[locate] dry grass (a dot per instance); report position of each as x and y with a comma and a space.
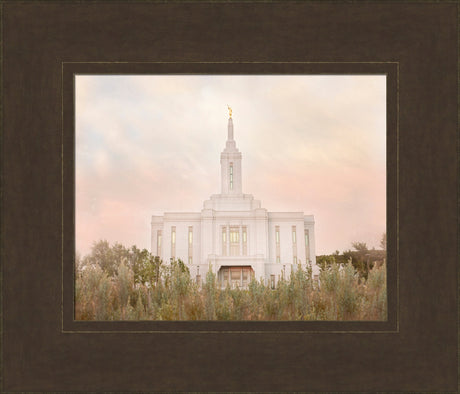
340, 294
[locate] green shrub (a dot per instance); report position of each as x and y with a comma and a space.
140, 287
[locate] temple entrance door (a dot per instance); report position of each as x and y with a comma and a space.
235, 276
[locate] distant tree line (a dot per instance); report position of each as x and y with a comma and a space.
120, 283
361, 257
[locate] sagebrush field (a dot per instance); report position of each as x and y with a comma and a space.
116, 283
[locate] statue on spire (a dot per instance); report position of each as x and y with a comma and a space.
229, 110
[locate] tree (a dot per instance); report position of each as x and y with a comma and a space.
359, 257
348, 289
101, 255
324, 261
149, 271
179, 264
360, 247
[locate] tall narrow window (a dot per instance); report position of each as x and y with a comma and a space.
234, 241
231, 176
224, 241
173, 242
159, 236
190, 244
245, 240
277, 240
294, 244
307, 246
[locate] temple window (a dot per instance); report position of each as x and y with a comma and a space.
224, 241
231, 176
173, 241
245, 240
307, 245
190, 244
159, 237
277, 239
234, 241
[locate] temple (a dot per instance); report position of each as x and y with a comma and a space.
233, 235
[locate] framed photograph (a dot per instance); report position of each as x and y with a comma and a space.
150, 143
86, 84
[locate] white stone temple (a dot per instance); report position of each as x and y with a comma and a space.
233, 235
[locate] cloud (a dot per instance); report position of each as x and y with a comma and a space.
148, 144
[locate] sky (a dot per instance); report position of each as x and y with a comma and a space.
148, 144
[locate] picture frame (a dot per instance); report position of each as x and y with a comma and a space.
44, 43
71, 70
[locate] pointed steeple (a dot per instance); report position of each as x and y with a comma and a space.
230, 162
230, 145
230, 129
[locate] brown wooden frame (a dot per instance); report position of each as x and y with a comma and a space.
45, 42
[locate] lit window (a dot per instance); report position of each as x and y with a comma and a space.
159, 236
277, 239
224, 241
190, 244
307, 246
234, 241
245, 240
173, 241
294, 244
234, 236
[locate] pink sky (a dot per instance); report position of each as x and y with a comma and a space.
149, 144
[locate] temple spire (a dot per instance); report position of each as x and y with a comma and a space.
230, 124
230, 129
230, 161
